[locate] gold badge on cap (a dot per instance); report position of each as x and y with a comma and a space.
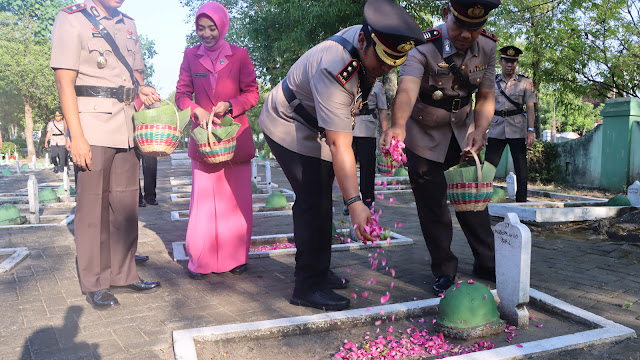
437, 95
406, 47
476, 11
511, 52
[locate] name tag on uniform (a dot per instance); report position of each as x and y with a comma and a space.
442, 71
200, 74
96, 35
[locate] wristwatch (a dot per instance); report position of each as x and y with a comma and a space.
230, 111
531, 129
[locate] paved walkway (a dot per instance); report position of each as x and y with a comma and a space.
43, 315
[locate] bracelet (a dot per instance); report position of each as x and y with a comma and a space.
353, 200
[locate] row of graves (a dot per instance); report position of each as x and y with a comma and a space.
469, 321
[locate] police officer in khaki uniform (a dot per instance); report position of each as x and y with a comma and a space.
308, 120
433, 110
510, 126
56, 140
364, 139
97, 93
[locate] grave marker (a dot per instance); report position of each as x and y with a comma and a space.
513, 267
633, 193
34, 201
267, 170
17, 166
33, 162
512, 186
46, 159
65, 184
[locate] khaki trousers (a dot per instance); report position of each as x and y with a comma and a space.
106, 221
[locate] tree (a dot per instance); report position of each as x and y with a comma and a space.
25, 26
148, 47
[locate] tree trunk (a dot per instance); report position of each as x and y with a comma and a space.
28, 128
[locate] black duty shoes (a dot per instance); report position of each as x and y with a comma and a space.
443, 283
141, 258
102, 299
323, 299
336, 282
140, 286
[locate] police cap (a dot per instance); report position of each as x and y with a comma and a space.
510, 53
58, 113
472, 14
393, 30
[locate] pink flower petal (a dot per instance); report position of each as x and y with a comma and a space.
518, 345
471, 282
391, 286
378, 323
364, 295
385, 298
539, 325
354, 295
393, 273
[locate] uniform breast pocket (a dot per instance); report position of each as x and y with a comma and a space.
132, 48
440, 81
98, 46
475, 78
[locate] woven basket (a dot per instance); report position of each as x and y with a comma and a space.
383, 166
470, 196
157, 140
216, 152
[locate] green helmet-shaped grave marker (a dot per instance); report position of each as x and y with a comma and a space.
276, 200
468, 310
48, 195
10, 215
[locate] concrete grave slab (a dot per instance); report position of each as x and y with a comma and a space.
45, 221
396, 240
557, 212
605, 331
17, 255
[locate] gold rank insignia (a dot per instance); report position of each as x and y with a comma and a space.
443, 65
511, 52
348, 71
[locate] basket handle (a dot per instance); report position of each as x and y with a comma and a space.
478, 167
209, 126
175, 111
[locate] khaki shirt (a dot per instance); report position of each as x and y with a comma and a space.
57, 130
429, 128
367, 125
313, 79
519, 89
76, 45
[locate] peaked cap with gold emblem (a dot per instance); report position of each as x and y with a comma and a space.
393, 30
510, 53
472, 14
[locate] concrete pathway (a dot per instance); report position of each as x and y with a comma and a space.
43, 314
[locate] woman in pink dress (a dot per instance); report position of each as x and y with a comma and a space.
223, 80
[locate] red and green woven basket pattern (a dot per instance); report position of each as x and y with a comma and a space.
384, 167
466, 197
222, 151
156, 139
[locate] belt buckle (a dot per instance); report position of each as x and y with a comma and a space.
455, 105
128, 92
504, 113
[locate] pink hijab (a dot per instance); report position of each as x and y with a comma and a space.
214, 58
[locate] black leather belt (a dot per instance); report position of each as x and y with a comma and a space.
299, 109
452, 105
57, 134
122, 94
366, 111
507, 113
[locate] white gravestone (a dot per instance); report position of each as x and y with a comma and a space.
513, 269
267, 175
17, 166
34, 201
633, 193
254, 171
33, 162
65, 184
512, 187
46, 159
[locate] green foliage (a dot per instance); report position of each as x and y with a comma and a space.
8, 147
542, 162
42, 11
571, 112
148, 47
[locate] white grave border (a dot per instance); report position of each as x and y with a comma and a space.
17, 255
608, 331
396, 240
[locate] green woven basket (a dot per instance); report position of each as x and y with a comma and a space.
469, 188
157, 131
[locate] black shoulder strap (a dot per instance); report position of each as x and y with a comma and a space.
56, 126
517, 105
112, 43
453, 67
365, 84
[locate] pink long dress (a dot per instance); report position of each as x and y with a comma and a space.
220, 214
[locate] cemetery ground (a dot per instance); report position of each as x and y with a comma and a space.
43, 314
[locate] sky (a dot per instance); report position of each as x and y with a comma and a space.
164, 22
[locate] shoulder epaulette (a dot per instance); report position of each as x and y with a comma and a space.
125, 15
523, 75
431, 34
348, 71
489, 34
74, 8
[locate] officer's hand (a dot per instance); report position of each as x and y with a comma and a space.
475, 141
386, 136
220, 111
531, 137
202, 116
148, 95
360, 215
81, 153
46, 144
68, 145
